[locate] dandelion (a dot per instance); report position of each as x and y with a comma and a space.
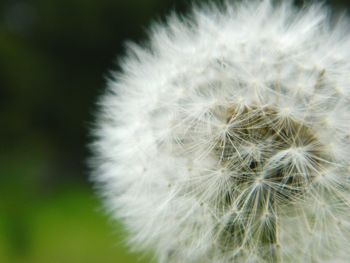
227, 138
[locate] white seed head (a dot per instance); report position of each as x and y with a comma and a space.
227, 139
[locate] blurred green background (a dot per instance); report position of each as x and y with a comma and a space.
54, 58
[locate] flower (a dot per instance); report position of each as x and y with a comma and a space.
227, 139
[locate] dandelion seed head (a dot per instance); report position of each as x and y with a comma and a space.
227, 139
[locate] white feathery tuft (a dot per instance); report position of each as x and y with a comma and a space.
228, 138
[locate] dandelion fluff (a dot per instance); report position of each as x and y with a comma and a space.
227, 138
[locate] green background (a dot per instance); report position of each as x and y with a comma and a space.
54, 58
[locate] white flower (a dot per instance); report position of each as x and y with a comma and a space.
227, 138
